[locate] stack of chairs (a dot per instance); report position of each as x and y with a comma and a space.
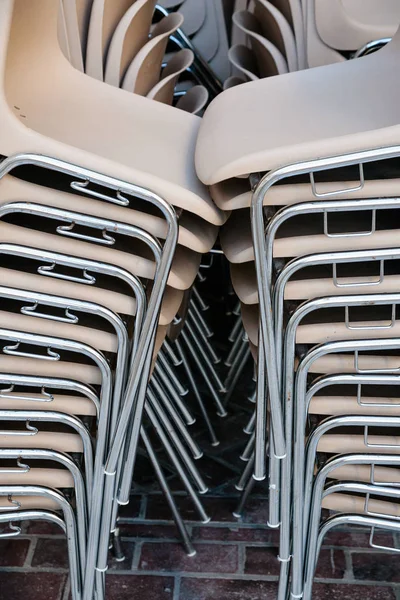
316, 261
336, 31
97, 260
119, 43
267, 39
206, 28
273, 37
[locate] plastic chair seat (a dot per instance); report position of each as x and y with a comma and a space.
269, 123
66, 114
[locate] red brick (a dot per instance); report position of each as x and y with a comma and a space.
227, 589
236, 534
376, 567
356, 539
172, 557
50, 552
32, 586
127, 587
261, 561
325, 591
331, 564
149, 531
13, 552
131, 510
123, 565
42, 528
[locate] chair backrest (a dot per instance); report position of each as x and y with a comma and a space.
350, 24
244, 62
194, 100
163, 91
104, 18
144, 71
270, 60
130, 35
277, 30
33, 68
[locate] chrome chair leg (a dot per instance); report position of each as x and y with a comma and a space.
193, 385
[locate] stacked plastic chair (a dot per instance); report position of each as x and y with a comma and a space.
205, 27
267, 40
335, 31
319, 173
96, 261
118, 43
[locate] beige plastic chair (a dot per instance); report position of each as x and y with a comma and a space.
348, 405
69, 33
72, 130
244, 281
235, 193
55, 478
104, 18
277, 30
74, 405
170, 3
350, 24
237, 36
236, 138
144, 71
354, 504
344, 443
194, 15
183, 271
163, 91
243, 61
317, 53
363, 473
97, 338
219, 63
237, 244
325, 331
85, 373
194, 101
130, 35
232, 81
269, 59
115, 301
206, 40
194, 233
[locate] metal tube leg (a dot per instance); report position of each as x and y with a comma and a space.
199, 299
248, 451
274, 494
261, 414
235, 348
175, 461
191, 444
285, 507
214, 357
171, 374
221, 410
193, 385
207, 361
127, 465
194, 473
250, 425
247, 473
199, 317
235, 330
168, 384
244, 357
246, 493
170, 352
190, 551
